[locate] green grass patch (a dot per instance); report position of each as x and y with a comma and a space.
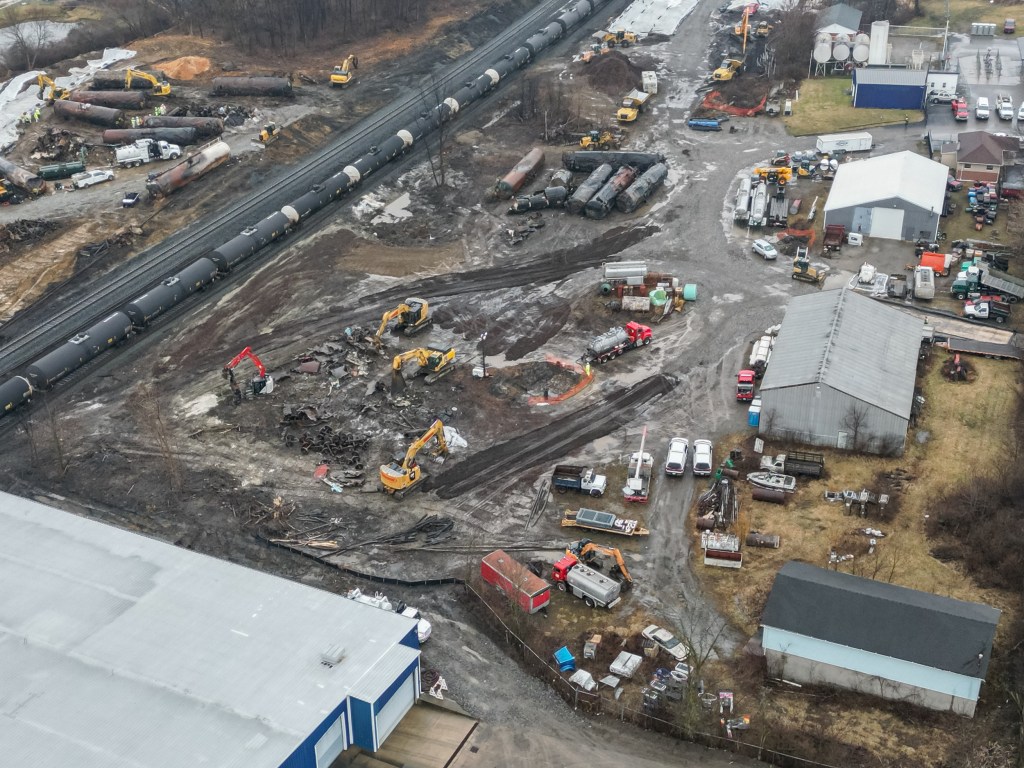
824, 107
962, 13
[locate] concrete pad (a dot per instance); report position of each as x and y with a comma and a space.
648, 17
427, 737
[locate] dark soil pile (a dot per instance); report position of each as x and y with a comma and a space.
613, 73
743, 91
956, 368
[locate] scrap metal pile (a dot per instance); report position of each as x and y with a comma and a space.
58, 145
24, 230
718, 506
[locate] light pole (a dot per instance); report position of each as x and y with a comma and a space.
483, 356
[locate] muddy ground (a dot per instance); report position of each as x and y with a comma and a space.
153, 442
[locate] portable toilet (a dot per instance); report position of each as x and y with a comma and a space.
754, 413
565, 660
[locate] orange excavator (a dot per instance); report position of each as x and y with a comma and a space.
260, 384
587, 552
404, 473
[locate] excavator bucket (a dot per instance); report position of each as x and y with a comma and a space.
397, 383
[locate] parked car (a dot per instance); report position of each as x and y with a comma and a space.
941, 97
666, 641
981, 108
1009, 26
953, 184
1020, 112
766, 250
960, 111
702, 458
678, 450
88, 178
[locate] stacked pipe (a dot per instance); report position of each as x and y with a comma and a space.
599, 205
206, 127
90, 113
251, 86
115, 99
585, 162
179, 136
588, 188
641, 189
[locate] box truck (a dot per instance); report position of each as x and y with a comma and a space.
515, 581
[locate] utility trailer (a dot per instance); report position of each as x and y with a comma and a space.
982, 348
795, 463
596, 520
515, 581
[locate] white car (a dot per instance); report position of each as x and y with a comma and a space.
666, 641
941, 97
88, 178
1020, 112
766, 250
702, 457
678, 449
423, 628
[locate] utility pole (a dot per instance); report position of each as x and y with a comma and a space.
483, 356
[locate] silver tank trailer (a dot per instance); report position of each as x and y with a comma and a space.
642, 188
600, 204
188, 170
607, 341
180, 136
89, 113
115, 99
206, 127
586, 161
588, 188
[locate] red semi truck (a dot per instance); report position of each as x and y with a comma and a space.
616, 341
515, 581
745, 385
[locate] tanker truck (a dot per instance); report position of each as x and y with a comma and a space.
594, 588
616, 341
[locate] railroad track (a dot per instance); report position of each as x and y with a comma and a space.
156, 263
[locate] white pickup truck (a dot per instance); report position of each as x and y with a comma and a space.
146, 151
88, 178
1004, 107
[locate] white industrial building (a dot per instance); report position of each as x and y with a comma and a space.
842, 373
120, 650
896, 197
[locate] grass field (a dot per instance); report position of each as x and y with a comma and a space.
963, 12
824, 107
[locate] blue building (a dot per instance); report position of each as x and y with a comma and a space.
825, 627
885, 88
120, 650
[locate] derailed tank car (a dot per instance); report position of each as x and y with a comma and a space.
524, 170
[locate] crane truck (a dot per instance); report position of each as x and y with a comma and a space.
411, 317
433, 363
342, 75
260, 384
404, 473
641, 466
615, 341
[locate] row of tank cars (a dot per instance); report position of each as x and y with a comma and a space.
137, 315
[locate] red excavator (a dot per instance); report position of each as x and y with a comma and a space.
260, 384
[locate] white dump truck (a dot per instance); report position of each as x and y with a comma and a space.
146, 151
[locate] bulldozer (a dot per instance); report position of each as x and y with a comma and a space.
404, 473
268, 133
158, 87
412, 316
433, 363
56, 91
804, 269
600, 140
341, 75
589, 553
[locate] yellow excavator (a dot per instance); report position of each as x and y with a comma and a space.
403, 474
56, 91
412, 316
434, 363
342, 74
587, 552
159, 87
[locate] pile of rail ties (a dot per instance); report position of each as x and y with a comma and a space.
332, 446
95, 250
24, 230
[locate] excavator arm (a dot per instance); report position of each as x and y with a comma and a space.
401, 476
413, 315
56, 91
583, 549
159, 88
261, 382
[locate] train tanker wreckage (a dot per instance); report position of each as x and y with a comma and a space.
136, 316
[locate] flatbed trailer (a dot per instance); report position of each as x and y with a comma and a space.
596, 520
982, 348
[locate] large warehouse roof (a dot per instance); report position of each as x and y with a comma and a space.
851, 343
119, 650
903, 175
882, 618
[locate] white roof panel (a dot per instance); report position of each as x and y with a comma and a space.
119, 650
904, 175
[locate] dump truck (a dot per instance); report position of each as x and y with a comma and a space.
570, 477
987, 311
835, 236
975, 279
795, 463
615, 341
728, 69
515, 581
632, 105
146, 151
594, 588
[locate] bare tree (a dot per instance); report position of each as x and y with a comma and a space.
146, 407
855, 421
27, 38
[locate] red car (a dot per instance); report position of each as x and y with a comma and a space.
960, 110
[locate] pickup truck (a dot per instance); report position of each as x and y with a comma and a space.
990, 311
88, 178
1004, 107
569, 477
795, 463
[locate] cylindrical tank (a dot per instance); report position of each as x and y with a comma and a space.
371, 161
556, 196
878, 48
587, 161
536, 43
272, 227
13, 393
641, 189
770, 540
823, 37
822, 52
251, 86
625, 270
153, 302
180, 136
108, 332
771, 495
90, 113
189, 169
312, 201
505, 67
841, 51
524, 170
861, 39
51, 368
600, 204
206, 127
21, 178
705, 523
588, 188
113, 80
561, 178
234, 251
116, 99
197, 275
521, 57
690, 292
608, 341
340, 183
860, 52
843, 38
732, 474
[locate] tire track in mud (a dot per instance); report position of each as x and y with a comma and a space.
551, 441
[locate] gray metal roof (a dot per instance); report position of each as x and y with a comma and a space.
890, 76
882, 618
841, 14
851, 343
120, 650
906, 176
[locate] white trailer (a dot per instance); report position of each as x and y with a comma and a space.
829, 143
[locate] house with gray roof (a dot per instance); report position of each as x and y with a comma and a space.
829, 628
842, 373
839, 19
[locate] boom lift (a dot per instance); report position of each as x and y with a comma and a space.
260, 384
159, 87
587, 553
435, 363
342, 74
56, 91
404, 473
412, 316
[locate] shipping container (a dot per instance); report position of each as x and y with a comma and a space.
512, 579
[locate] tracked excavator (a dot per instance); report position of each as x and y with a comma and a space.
157, 87
260, 384
587, 552
411, 317
342, 75
404, 473
434, 363
56, 92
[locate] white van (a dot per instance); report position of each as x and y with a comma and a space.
981, 110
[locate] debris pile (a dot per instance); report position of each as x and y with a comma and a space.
718, 506
125, 237
58, 144
613, 73
24, 230
338, 447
